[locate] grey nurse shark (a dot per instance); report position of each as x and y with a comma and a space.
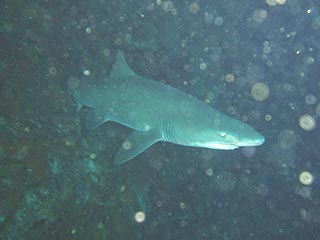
157, 112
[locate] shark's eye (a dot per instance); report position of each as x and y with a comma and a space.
222, 134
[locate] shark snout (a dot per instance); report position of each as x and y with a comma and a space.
251, 142
259, 141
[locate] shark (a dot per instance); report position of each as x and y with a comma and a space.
157, 112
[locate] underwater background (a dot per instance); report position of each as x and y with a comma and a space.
255, 60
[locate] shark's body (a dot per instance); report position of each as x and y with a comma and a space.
158, 112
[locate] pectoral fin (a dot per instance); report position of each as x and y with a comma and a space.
136, 143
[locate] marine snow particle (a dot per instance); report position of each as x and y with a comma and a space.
266, 49
304, 214
310, 99
140, 217
209, 172
86, 72
208, 17
281, 2
306, 178
260, 92
194, 8
259, 15
53, 71
159, 204
118, 41
218, 21
307, 122
229, 78
167, 6
268, 117
203, 66
182, 205
127, 145
122, 19
309, 60
271, 2
106, 52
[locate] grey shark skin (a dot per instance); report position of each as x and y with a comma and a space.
158, 112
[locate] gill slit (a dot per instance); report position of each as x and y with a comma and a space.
167, 132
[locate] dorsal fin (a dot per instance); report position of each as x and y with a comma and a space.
121, 68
